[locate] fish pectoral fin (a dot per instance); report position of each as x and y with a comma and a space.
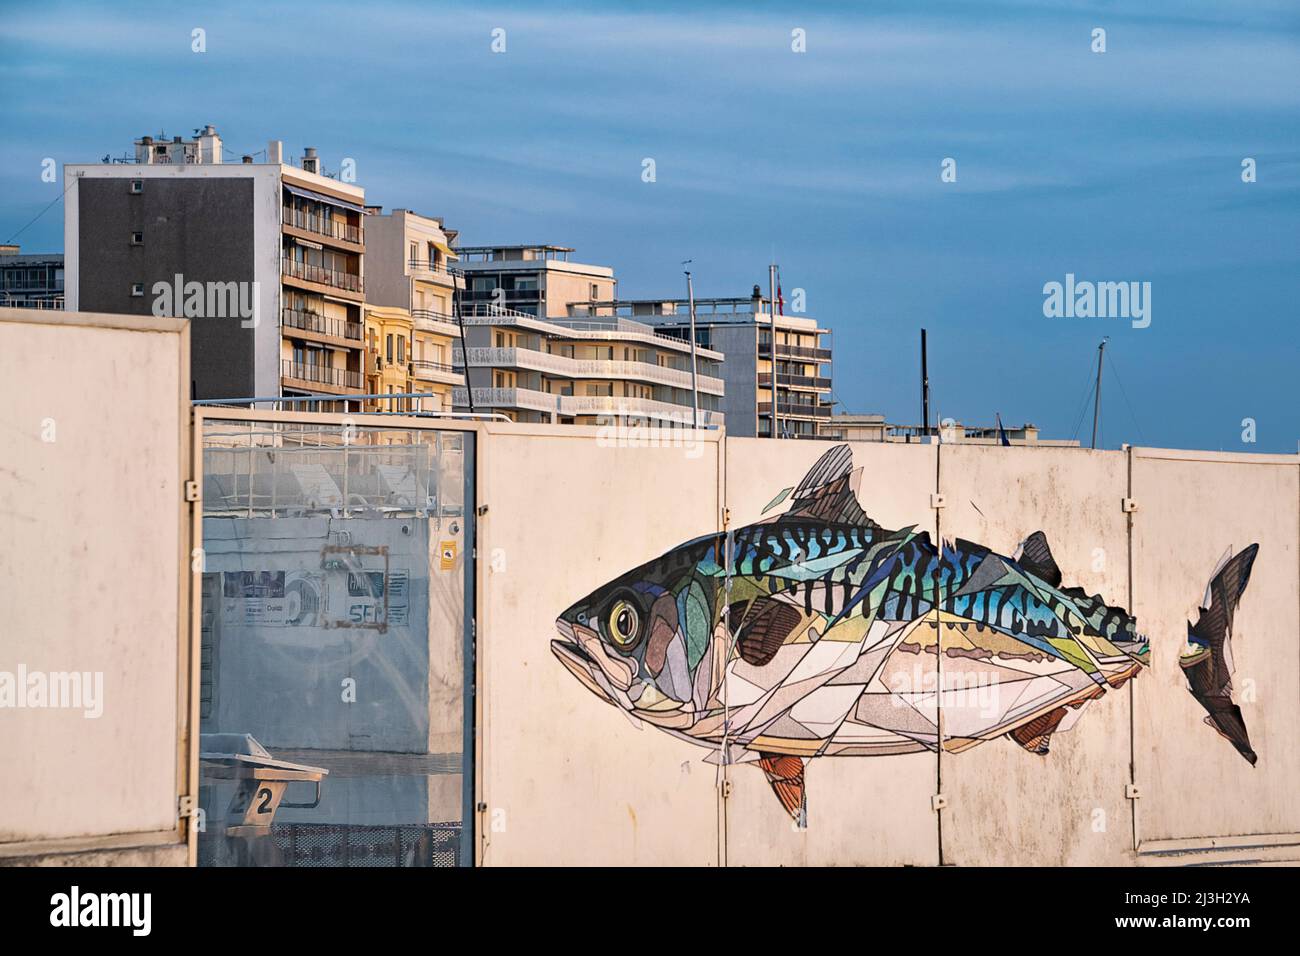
1036, 735
764, 629
785, 773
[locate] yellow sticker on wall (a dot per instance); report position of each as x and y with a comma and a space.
447, 561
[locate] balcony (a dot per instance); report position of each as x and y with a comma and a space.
573, 368
794, 381
439, 322
794, 351
329, 227
574, 405
440, 268
436, 372
795, 410
308, 272
309, 372
324, 325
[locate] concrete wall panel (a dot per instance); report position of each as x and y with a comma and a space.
92, 451
1005, 805
860, 809
567, 778
1195, 785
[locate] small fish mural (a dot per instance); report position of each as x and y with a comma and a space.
816, 633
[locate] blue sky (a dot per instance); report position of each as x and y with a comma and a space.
1117, 166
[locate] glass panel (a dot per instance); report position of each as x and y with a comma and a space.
333, 645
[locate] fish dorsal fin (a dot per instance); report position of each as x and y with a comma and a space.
829, 491
1036, 558
834, 464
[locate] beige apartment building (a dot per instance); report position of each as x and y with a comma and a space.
530, 359
411, 329
584, 371
741, 329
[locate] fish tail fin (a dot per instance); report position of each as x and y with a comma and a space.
785, 773
1207, 659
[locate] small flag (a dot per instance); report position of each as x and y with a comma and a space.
780, 300
1002, 432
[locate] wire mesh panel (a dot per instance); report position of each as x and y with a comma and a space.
336, 563
324, 844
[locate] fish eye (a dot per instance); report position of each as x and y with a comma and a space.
623, 623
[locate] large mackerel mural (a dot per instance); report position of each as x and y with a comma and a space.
815, 633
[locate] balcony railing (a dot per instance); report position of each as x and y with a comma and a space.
795, 410
419, 366
437, 267
576, 368
322, 374
8, 302
574, 405
322, 225
309, 272
799, 381
433, 321
323, 324
795, 351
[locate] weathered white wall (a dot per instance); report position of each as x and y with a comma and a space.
861, 810
1007, 806
93, 559
568, 779
1191, 507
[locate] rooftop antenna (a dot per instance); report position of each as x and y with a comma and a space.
1096, 407
925, 389
695, 392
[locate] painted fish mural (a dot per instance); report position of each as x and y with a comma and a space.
816, 633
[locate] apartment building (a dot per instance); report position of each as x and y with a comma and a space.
410, 276
541, 280
30, 281
873, 427
741, 330
266, 257
406, 355
584, 371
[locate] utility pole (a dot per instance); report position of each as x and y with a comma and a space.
1096, 407
925, 390
771, 312
457, 282
695, 391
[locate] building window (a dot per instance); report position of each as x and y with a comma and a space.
415, 253
137, 187
137, 238
401, 350
137, 289
388, 350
